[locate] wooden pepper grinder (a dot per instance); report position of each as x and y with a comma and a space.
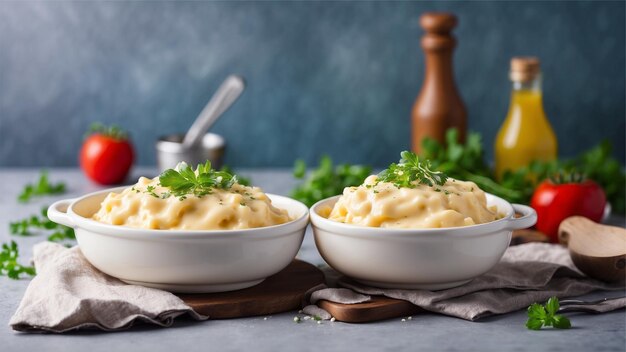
438, 106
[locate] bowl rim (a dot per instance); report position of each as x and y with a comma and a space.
506, 223
79, 221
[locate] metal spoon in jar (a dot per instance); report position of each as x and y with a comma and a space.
226, 95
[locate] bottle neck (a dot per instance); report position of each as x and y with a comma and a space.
439, 70
533, 85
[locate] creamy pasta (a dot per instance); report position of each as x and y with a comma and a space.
456, 203
142, 206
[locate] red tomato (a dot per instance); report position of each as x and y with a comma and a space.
106, 159
556, 202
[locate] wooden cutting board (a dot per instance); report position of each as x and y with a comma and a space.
379, 308
278, 293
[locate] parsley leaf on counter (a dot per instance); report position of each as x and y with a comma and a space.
8, 262
42, 187
409, 170
540, 316
326, 181
26, 226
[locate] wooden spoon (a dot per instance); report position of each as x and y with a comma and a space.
597, 250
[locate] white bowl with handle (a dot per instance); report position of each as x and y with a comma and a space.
183, 260
429, 259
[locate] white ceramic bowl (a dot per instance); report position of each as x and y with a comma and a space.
430, 259
179, 260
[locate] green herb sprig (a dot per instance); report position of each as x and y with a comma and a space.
540, 316
410, 171
8, 262
28, 226
465, 161
326, 180
42, 187
199, 182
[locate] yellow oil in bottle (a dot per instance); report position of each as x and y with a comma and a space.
526, 134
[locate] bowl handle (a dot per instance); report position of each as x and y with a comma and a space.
57, 212
528, 218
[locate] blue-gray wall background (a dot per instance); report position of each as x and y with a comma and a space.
324, 77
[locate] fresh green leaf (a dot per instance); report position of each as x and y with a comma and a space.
325, 180
30, 225
299, 169
561, 322
552, 306
244, 181
42, 187
534, 323
185, 181
410, 171
466, 162
540, 316
9, 265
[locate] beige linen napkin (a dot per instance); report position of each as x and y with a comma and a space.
526, 274
69, 293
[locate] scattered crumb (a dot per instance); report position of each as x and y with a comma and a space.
403, 319
307, 317
332, 319
319, 321
410, 318
296, 319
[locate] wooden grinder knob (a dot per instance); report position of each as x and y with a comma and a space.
438, 27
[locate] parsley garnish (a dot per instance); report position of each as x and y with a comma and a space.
25, 227
8, 262
42, 187
199, 182
410, 171
540, 316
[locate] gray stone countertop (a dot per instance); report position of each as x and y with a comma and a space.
428, 332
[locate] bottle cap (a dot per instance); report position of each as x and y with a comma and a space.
524, 69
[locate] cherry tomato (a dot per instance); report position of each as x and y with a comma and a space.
556, 202
106, 156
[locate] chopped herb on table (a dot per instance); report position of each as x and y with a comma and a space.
540, 316
8, 262
326, 180
26, 227
42, 187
